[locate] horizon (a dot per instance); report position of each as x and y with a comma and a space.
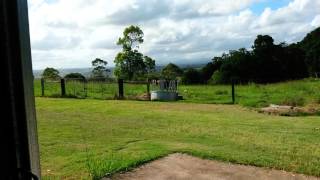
112, 67
180, 32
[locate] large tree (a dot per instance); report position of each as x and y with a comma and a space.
50, 73
130, 63
150, 64
311, 45
99, 68
266, 57
132, 37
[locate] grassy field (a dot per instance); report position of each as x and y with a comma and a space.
83, 138
297, 93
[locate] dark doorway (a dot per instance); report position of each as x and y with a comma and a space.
18, 121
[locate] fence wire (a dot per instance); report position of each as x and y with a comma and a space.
92, 88
296, 92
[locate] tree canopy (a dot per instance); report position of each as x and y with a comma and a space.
50, 73
150, 64
171, 71
311, 46
265, 62
75, 76
191, 76
99, 68
130, 63
132, 37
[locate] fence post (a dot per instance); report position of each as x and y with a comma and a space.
85, 87
120, 87
63, 87
233, 92
42, 87
148, 89
148, 86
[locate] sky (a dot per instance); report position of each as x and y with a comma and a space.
71, 33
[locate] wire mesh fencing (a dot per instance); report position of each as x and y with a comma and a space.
91, 88
295, 92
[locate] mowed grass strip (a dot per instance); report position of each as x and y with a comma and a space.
84, 139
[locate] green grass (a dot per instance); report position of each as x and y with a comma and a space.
297, 93
79, 137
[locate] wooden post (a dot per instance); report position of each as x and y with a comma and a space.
42, 87
120, 86
233, 92
63, 87
148, 86
148, 89
85, 88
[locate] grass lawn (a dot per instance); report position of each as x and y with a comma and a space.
83, 137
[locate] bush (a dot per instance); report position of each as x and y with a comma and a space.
216, 78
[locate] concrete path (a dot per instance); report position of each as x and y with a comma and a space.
185, 167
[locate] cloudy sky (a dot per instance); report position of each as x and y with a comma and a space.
71, 33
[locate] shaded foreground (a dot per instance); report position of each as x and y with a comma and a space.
182, 167
83, 139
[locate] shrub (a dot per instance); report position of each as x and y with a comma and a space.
216, 78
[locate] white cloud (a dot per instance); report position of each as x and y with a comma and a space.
70, 33
316, 21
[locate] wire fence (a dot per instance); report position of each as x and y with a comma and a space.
294, 92
92, 88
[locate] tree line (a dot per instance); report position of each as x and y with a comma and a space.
265, 62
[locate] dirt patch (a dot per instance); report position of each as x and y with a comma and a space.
140, 97
290, 110
185, 167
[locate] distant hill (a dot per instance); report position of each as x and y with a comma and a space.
63, 72
87, 71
